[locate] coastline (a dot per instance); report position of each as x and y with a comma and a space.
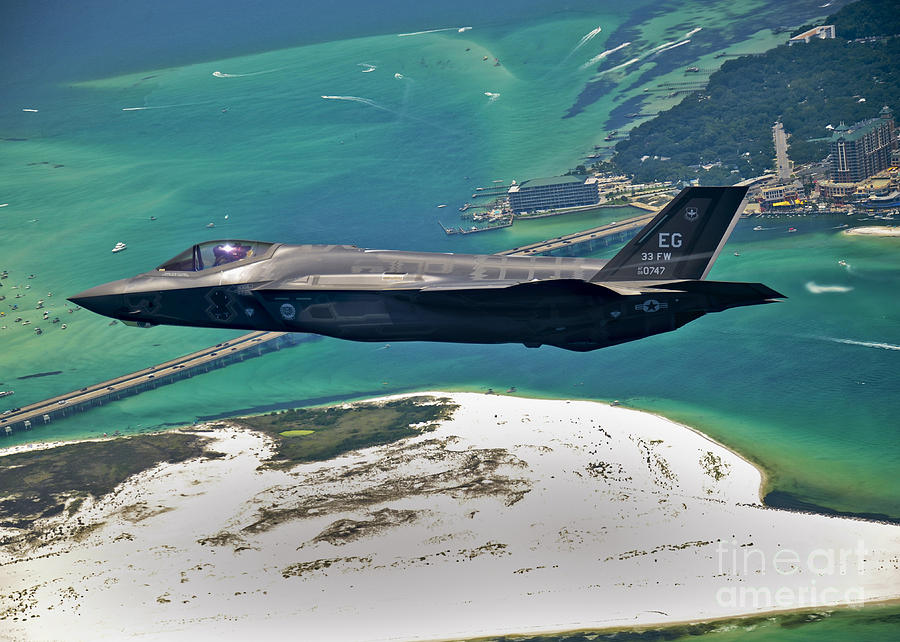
873, 230
517, 514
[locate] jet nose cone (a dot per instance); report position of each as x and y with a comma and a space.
106, 299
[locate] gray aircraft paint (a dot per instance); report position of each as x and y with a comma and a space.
654, 284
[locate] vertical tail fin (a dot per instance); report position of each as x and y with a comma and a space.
683, 240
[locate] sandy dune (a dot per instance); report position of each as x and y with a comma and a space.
517, 515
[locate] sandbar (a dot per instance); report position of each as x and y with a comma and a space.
513, 516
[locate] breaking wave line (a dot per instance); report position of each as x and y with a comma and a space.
599, 57
815, 288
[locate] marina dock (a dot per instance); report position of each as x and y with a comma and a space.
245, 347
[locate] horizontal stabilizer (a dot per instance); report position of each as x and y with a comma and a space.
722, 288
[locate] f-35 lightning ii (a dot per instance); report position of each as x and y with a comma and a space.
656, 283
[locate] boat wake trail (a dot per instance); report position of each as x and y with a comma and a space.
599, 57
815, 288
362, 101
419, 33
219, 74
163, 106
670, 47
400, 114
617, 67
368, 68
492, 96
864, 344
586, 38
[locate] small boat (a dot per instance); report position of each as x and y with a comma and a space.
792, 229
119, 247
737, 253
442, 205
842, 263
758, 228
6, 393
210, 225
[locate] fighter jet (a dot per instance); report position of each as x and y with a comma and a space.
656, 283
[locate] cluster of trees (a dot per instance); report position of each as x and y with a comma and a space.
806, 86
866, 19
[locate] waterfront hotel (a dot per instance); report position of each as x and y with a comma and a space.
864, 149
554, 193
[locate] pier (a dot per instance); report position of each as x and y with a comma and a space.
491, 190
220, 355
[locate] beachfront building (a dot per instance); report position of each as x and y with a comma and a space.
864, 149
824, 32
836, 190
777, 193
554, 193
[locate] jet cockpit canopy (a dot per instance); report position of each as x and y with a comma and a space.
204, 256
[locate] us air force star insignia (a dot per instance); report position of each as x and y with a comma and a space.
288, 312
249, 311
651, 305
691, 213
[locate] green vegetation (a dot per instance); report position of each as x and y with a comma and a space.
317, 434
807, 86
40, 483
866, 19
875, 622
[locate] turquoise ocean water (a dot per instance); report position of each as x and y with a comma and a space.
343, 131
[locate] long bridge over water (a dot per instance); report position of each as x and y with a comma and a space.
586, 241
220, 355
258, 343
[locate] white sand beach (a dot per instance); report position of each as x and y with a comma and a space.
514, 516
873, 230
